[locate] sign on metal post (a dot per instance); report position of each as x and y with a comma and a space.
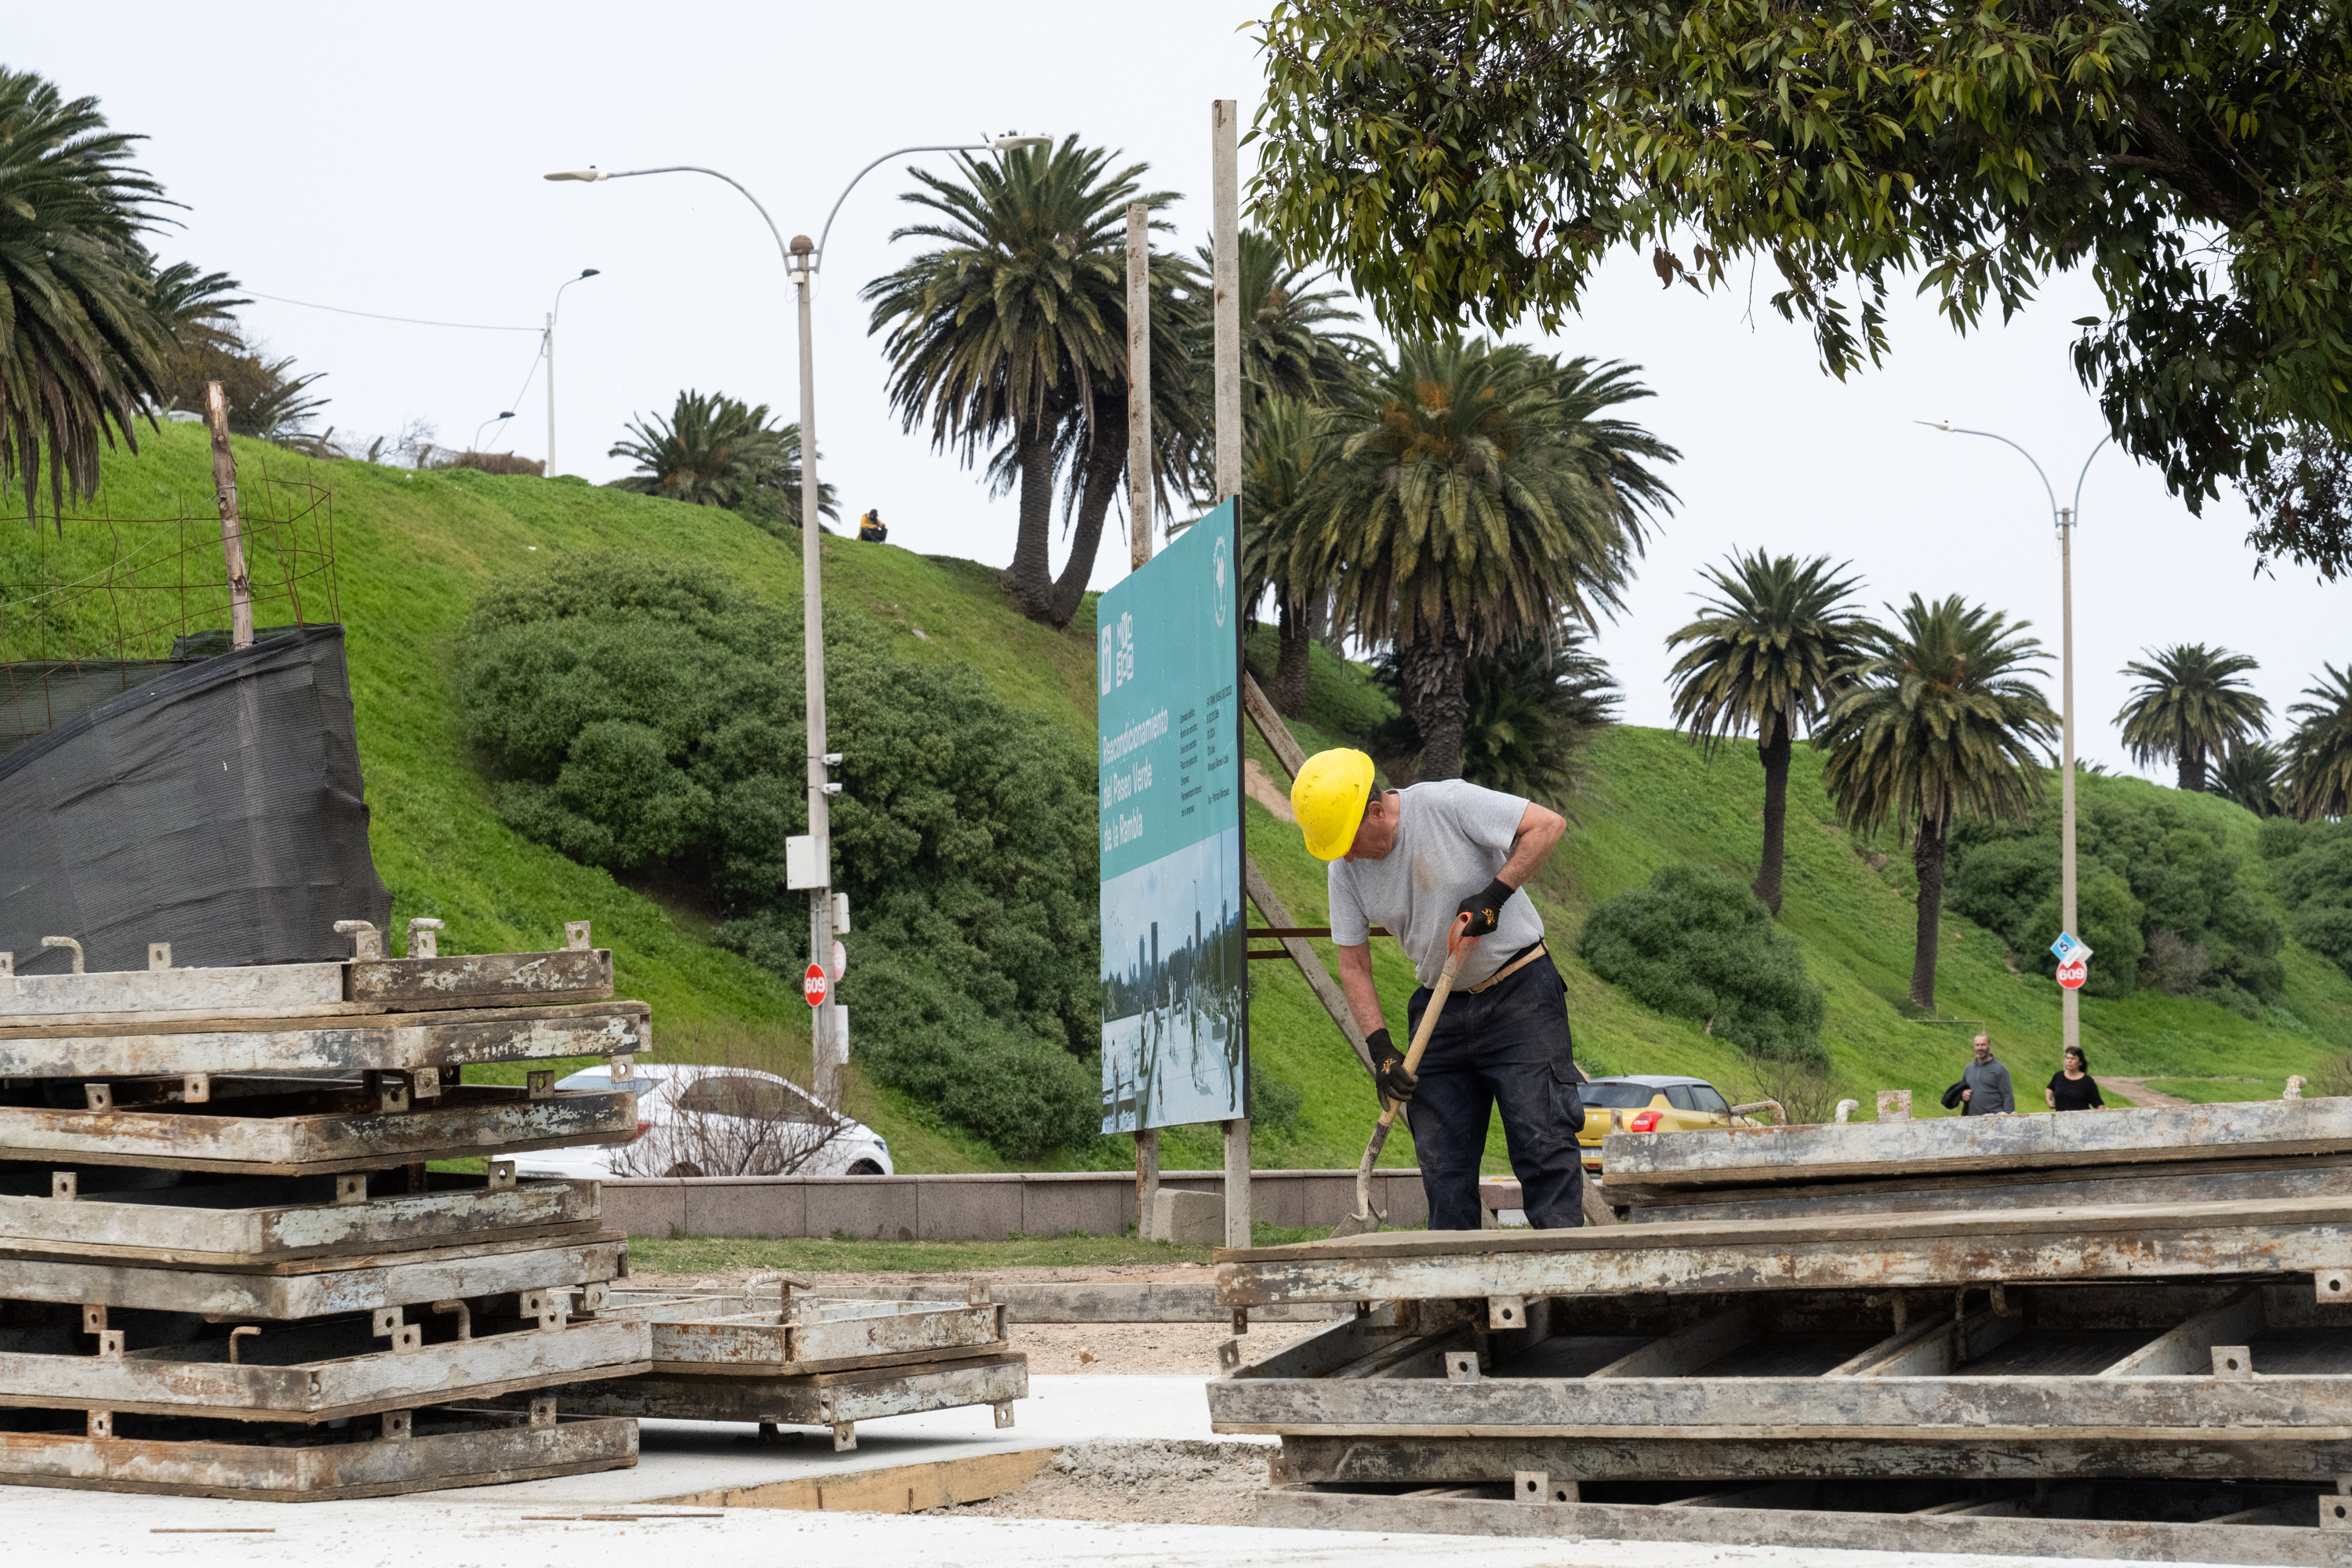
1175, 1003
813, 985
2073, 974
2067, 950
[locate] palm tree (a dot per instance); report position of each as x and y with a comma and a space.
1532, 708
2191, 707
1289, 444
1766, 654
1017, 323
1939, 720
714, 450
1475, 501
78, 343
2250, 772
2319, 753
1292, 342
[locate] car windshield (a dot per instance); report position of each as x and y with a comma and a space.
1617, 1096
600, 1080
740, 1094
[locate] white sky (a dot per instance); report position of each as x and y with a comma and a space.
390, 161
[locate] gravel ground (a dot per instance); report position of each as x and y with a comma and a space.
1137, 1482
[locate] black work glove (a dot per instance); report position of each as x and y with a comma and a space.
1485, 907
1388, 1067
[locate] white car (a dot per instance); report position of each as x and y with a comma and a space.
695, 1121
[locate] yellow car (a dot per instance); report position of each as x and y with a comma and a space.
1648, 1102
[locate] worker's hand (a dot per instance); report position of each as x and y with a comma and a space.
1388, 1067
1485, 907
1964, 1094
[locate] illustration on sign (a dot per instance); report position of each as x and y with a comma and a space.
2066, 949
1174, 985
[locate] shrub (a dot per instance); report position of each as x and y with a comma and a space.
1696, 944
2311, 867
647, 718
493, 463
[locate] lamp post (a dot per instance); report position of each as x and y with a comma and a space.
547, 346
801, 261
2070, 1000
499, 418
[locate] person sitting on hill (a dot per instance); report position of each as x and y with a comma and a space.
2072, 1088
870, 530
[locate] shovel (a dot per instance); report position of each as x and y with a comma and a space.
1365, 1221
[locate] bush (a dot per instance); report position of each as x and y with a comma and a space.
2311, 867
1696, 944
493, 463
647, 717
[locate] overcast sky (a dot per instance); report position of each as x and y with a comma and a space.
390, 161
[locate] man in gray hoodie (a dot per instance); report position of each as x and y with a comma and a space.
1984, 1090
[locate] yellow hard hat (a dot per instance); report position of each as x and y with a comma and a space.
1328, 797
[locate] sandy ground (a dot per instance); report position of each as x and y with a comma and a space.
1162, 1482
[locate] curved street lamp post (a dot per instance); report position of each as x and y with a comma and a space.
2070, 999
801, 261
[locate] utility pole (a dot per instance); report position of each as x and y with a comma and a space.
240, 586
1225, 196
2070, 1000
825, 1024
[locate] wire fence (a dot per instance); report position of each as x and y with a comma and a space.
102, 604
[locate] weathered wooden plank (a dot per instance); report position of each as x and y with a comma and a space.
2187, 1350
2211, 1182
254, 990
831, 1331
1740, 1155
229, 1223
315, 1287
899, 1488
2276, 1236
296, 1465
197, 1379
2100, 1539
1757, 1407
1952, 1455
314, 1134
1118, 1301
396, 1041
821, 1399
480, 979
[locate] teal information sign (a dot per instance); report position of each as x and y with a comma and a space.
1174, 974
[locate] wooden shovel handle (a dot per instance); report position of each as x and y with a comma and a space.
1456, 947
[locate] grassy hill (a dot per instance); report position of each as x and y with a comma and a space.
413, 549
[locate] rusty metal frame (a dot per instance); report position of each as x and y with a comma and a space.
386, 1041
318, 1288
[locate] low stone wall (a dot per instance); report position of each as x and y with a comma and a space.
973, 1208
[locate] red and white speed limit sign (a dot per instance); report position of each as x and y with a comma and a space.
813, 985
2072, 975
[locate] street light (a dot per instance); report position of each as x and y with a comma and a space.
800, 260
547, 346
499, 419
2070, 999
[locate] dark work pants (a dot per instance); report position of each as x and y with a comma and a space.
1507, 1050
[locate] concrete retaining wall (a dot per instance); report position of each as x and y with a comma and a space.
973, 1208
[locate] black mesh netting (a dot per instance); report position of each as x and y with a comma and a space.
216, 805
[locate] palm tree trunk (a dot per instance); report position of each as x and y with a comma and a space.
1105, 463
1437, 675
2192, 769
1293, 637
1928, 855
1030, 579
1773, 746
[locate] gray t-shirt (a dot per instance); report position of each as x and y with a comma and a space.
1452, 838
1990, 1093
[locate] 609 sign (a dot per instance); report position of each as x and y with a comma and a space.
813, 985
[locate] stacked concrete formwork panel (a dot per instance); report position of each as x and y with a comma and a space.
226, 1267
2122, 1335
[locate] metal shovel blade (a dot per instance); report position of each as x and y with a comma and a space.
1367, 1220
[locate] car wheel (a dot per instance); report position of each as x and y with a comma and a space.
864, 1168
683, 1168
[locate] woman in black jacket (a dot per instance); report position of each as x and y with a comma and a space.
2073, 1087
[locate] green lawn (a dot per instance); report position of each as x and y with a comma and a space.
413, 550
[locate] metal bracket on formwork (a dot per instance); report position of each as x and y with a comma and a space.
575, 936
424, 1083
405, 1337
464, 1317
845, 1436
1241, 1319
540, 1085
2000, 1307
101, 1423
421, 941
67, 942
243, 1331
2234, 1363
196, 1088
389, 1090
1003, 1408
64, 1184
499, 1174
552, 1308
159, 956
2332, 1284
1229, 1355
99, 1096
591, 1298
93, 1319
2335, 1513
1461, 1366
366, 941
542, 1411
351, 1187
1506, 1311
1531, 1486
420, 1177
109, 1344
399, 1426
621, 1068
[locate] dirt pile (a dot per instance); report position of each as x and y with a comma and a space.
1139, 1482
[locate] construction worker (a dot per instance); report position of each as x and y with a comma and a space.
1413, 860
870, 530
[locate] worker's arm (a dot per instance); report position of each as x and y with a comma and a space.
1538, 834
1364, 1001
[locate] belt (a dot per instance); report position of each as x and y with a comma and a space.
1524, 958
